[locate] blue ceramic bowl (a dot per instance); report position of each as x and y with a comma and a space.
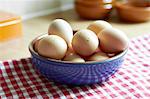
76, 73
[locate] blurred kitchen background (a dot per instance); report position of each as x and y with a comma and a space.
33, 8
38, 14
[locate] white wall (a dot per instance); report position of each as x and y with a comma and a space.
32, 8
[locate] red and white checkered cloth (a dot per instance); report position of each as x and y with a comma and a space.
19, 79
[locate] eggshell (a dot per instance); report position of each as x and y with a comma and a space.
85, 42
98, 26
37, 42
112, 40
70, 50
52, 46
99, 56
98, 50
36, 45
73, 58
61, 28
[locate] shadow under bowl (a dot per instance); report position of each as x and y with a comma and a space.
76, 73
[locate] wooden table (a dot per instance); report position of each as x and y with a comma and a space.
18, 48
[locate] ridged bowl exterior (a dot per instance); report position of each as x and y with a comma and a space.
75, 73
78, 73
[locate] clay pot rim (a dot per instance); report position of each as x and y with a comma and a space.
129, 6
91, 4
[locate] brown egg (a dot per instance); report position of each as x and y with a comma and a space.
61, 28
98, 26
85, 42
52, 46
72, 57
98, 56
36, 45
112, 40
37, 42
98, 50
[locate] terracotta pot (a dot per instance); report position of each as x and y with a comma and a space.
131, 13
140, 3
93, 9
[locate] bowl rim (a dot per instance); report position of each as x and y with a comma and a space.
32, 51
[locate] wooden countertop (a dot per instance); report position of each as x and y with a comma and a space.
18, 48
